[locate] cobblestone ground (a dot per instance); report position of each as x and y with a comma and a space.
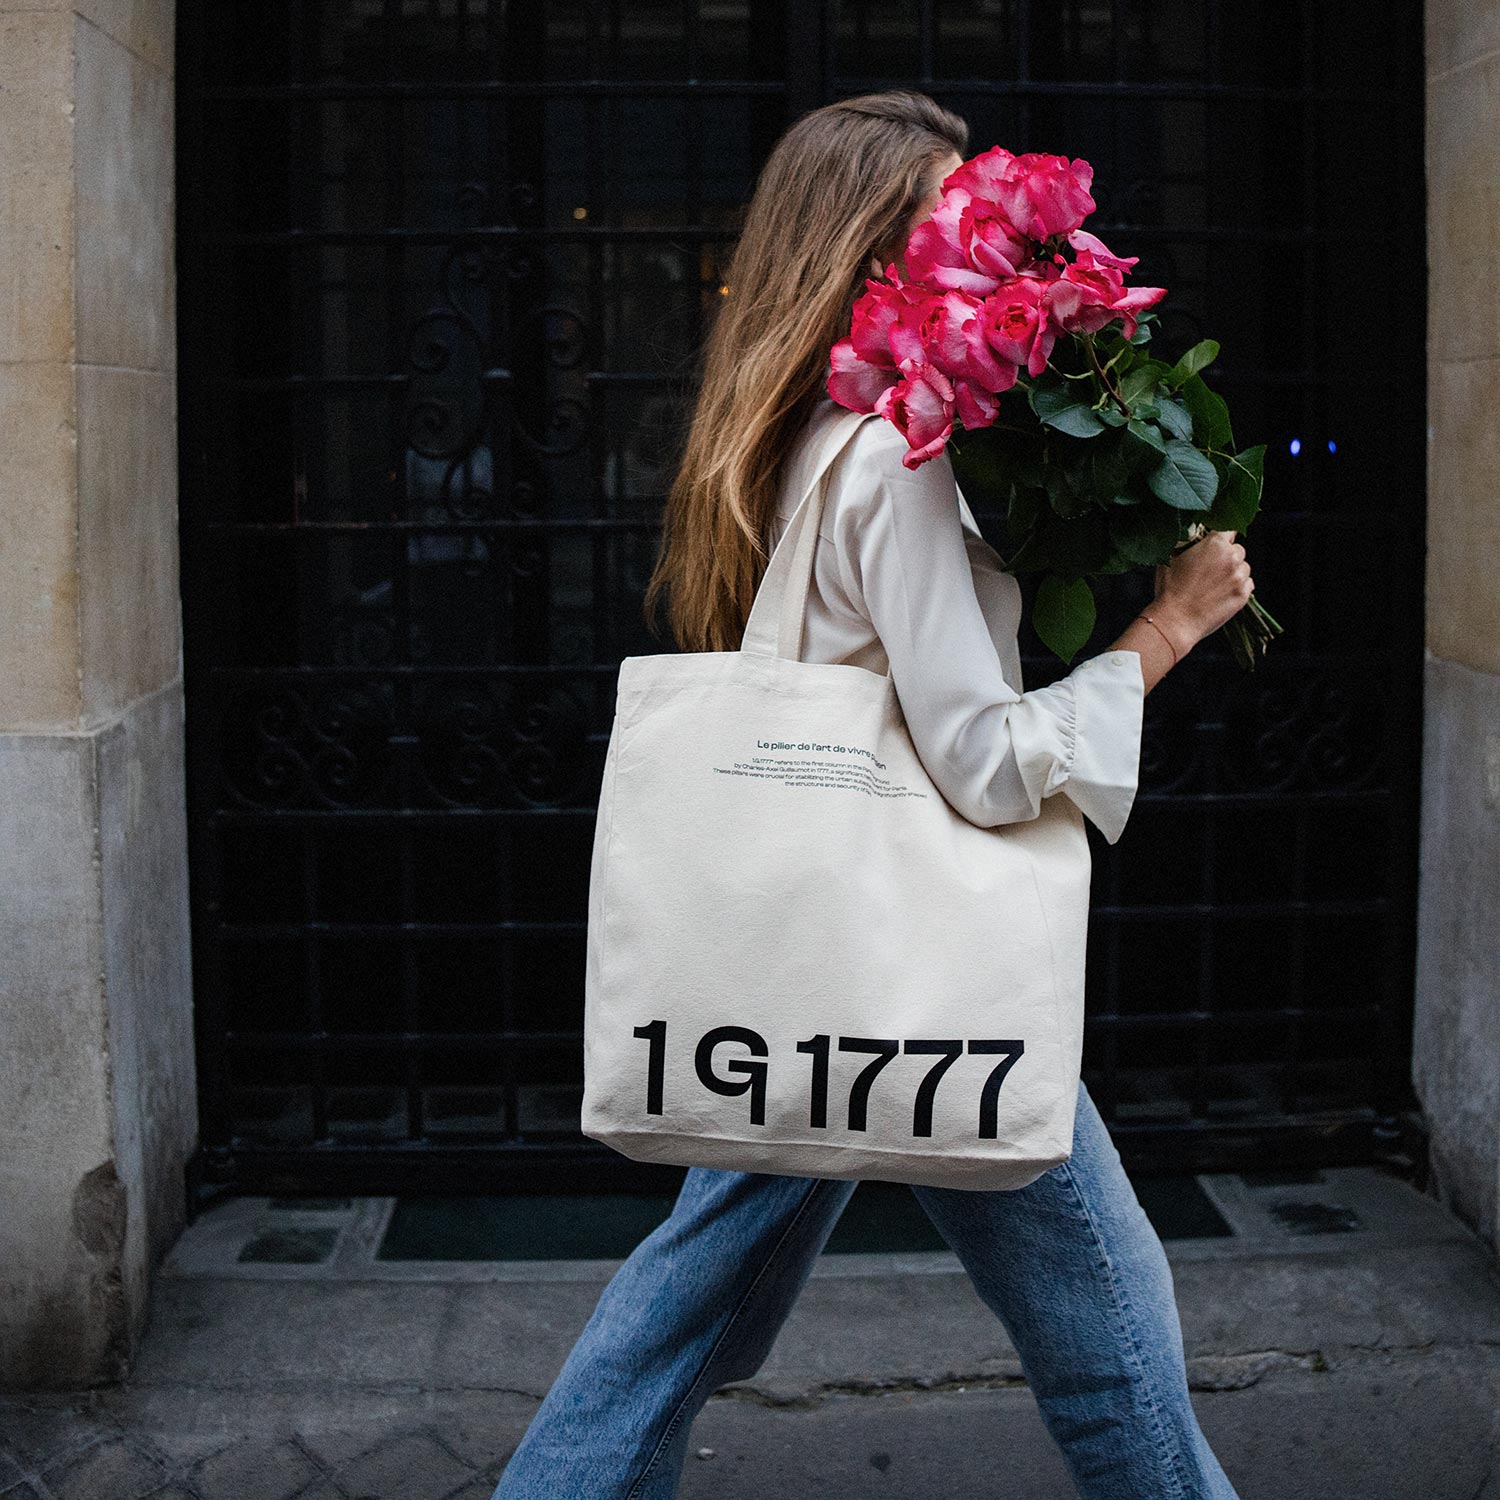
1413, 1424
78, 1452
1344, 1344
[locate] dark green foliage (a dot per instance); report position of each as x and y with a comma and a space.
1102, 464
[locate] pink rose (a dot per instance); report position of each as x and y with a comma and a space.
1082, 299
953, 338
857, 383
884, 326
1016, 324
1045, 195
883, 330
1091, 293
1136, 300
979, 175
920, 407
976, 406
938, 256
991, 242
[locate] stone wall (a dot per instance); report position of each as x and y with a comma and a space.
1457, 1041
97, 1105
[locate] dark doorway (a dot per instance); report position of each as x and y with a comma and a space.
444, 266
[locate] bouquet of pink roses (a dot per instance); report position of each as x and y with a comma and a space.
1105, 457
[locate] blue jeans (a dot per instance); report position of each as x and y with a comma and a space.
1070, 1264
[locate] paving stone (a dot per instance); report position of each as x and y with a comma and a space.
254, 1470
415, 1467
1417, 1427
113, 1470
179, 1447
481, 1489
337, 1447
486, 1441
215, 1333
19, 1492
40, 1429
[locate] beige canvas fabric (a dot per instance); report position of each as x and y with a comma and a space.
801, 959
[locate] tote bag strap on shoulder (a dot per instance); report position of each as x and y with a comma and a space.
775, 625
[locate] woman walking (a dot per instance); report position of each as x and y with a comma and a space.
902, 582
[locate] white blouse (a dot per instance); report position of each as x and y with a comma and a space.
904, 582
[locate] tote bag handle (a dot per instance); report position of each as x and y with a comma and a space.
775, 626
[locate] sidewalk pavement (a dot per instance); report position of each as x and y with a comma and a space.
1361, 1363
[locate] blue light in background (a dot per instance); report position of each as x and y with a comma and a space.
1296, 446
1333, 447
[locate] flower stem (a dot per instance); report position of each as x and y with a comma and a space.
1102, 371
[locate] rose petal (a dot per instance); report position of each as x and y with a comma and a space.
920, 407
976, 406
1081, 239
980, 174
856, 383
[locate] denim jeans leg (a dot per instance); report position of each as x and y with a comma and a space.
697, 1303
1076, 1272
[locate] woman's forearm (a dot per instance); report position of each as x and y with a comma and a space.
1150, 641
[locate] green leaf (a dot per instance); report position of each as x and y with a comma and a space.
1145, 533
1031, 470
1068, 496
1177, 419
1199, 357
1063, 408
1239, 491
1026, 502
1144, 432
1111, 415
1108, 467
986, 464
1210, 415
1108, 342
1045, 387
1029, 553
1184, 478
1138, 385
1064, 615
1076, 548
1077, 421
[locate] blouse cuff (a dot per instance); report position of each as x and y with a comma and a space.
1110, 696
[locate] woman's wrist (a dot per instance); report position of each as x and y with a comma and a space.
1176, 628
1156, 650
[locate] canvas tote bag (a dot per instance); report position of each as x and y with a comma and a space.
800, 958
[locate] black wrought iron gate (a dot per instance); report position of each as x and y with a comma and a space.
444, 264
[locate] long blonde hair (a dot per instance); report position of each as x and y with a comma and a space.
840, 185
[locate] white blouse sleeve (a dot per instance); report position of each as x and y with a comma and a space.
993, 752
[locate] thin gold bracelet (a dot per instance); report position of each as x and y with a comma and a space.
1163, 634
